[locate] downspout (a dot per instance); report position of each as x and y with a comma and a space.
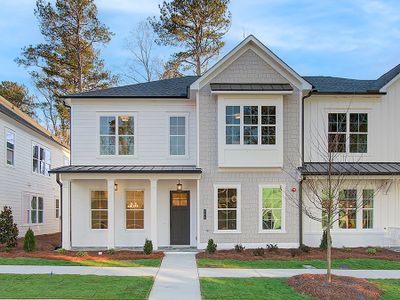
69, 185
61, 204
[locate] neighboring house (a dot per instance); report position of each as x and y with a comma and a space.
183, 160
27, 153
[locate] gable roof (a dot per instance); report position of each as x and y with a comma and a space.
15, 113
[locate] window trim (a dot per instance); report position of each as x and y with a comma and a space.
29, 206
100, 189
178, 114
57, 209
368, 209
135, 135
238, 188
260, 208
44, 148
144, 208
6, 131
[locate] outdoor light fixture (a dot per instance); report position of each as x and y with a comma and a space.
115, 187
179, 186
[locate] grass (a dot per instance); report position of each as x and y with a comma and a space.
247, 288
390, 287
91, 263
355, 263
74, 287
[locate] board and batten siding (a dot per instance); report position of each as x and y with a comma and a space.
19, 180
151, 136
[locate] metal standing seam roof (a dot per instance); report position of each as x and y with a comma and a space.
251, 87
359, 168
127, 169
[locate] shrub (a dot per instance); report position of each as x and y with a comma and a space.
304, 248
259, 251
272, 247
211, 246
61, 251
82, 253
371, 251
295, 252
239, 248
8, 229
346, 249
111, 251
148, 247
29, 241
324, 241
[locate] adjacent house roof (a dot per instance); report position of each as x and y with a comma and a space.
260, 87
15, 113
127, 169
358, 168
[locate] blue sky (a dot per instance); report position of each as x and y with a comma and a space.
348, 38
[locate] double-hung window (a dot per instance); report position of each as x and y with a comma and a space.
348, 209
337, 127
232, 128
41, 160
10, 147
358, 133
177, 135
117, 135
271, 208
99, 209
134, 209
57, 208
251, 126
227, 208
368, 209
35, 211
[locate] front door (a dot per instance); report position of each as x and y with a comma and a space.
180, 218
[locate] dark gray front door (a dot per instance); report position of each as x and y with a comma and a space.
180, 218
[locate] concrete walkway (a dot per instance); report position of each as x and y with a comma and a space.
177, 278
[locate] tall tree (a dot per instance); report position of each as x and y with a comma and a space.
144, 65
68, 61
19, 96
197, 26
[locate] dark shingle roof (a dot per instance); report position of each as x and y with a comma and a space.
358, 168
127, 169
251, 87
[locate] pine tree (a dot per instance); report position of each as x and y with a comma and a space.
19, 96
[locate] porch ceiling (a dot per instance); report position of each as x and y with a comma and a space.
138, 169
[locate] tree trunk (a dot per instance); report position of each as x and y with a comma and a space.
329, 255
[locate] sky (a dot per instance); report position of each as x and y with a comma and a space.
347, 38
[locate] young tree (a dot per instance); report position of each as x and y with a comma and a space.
197, 26
68, 61
144, 65
8, 229
19, 96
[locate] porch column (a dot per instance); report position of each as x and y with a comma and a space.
66, 215
111, 208
153, 212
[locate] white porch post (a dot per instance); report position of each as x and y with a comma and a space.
111, 214
65, 215
153, 212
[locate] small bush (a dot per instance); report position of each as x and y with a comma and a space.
346, 249
8, 229
259, 251
29, 241
295, 252
304, 248
148, 247
324, 241
239, 248
111, 251
272, 247
82, 253
61, 251
371, 251
211, 246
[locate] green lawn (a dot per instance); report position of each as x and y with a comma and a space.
356, 263
74, 287
390, 287
92, 263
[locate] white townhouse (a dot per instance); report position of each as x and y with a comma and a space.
27, 153
182, 160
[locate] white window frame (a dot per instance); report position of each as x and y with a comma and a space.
186, 116
368, 209
238, 188
135, 135
100, 189
29, 207
260, 208
46, 150
144, 209
9, 131
57, 209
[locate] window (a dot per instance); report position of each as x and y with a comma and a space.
134, 209
35, 211
368, 209
10, 147
57, 208
177, 135
355, 131
41, 160
258, 126
120, 140
99, 212
271, 208
348, 209
227, 208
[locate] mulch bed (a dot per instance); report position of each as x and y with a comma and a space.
315, 253
341, 287
47, 243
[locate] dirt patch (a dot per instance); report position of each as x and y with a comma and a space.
315, 253
341, 287
47, 243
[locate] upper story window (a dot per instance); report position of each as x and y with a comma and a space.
10, 147
177, 135
41, 159
258, 126
117, 135
348, 132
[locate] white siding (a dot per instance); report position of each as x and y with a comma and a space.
151, 136
19, 180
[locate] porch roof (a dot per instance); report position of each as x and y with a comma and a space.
347, 168
148, 169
